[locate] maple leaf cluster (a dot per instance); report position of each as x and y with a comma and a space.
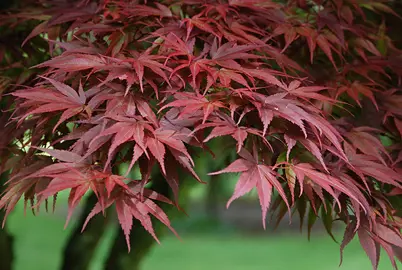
289, 84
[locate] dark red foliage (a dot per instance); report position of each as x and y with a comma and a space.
303, 90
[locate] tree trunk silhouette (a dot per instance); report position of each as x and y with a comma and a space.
6, 240
212, 198
120, 259
81, 247
215, 188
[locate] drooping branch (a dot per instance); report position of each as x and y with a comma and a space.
141, 241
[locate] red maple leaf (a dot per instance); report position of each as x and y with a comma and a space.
134, 203
190, 104
254, 174
59, 98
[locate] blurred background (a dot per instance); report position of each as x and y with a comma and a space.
212, 237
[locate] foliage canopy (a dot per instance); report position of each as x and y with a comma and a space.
303, 91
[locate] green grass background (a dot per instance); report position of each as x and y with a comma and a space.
39, 242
